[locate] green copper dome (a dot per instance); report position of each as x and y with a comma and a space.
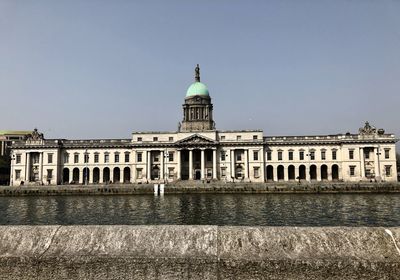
197, 88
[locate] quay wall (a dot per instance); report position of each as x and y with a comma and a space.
198, 252
198, 187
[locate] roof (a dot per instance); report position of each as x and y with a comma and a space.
15, 132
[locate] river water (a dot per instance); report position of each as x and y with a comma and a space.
202, 209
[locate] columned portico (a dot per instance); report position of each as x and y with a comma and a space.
190, 164
362, 167
178, 172
202, 164
214, 156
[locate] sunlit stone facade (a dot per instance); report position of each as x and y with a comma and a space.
198, 151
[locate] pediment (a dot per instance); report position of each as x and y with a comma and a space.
196, 139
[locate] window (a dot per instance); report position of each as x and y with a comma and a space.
238, 137
312, 155
223, 155
256, 172
387, 153
35, 158
351, 154
49, 158
17, 174
352, 170
366, 154
223, 172
388, 170
209, 157
86, 158
76, 158
171, 156
156, 158
66, 158
223, 138
269, 155
116, 157
255, 137
279, 155
171, 139
18, 159
139, 173
139, 139
139, 157
155, 139
106, 158
126, 157
49, 174
323, 155
171, 173
96, 158
290, 155
334, 155
255, 155
238, 157
301, 155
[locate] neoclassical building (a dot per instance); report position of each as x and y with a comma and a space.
198, 151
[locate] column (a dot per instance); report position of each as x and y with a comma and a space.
215, 164
190, 164
319, 173
133, 173
246, 164
232, 164
41, 167
121, 175
377, 163
330, 173
285, 173
178, 172
112, 174
362, 164
162, 165
148, 164
101, 176
308, 175
81, 176
202, 164
275, 173
90, 175
27, 167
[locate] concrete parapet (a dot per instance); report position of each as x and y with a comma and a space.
198, 252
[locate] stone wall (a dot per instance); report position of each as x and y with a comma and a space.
198, 252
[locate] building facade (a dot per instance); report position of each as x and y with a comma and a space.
198, 151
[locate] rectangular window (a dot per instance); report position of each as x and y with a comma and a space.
255, 155
35, 159
116, 157
66, 158
238, 157
171, 139
222, 138
238, 137
76, 158
312, 155
139, 157
86, 158
96, 158
156, 158
171, 156
106, 158
290, 155
171, 173
223, 172
18, 159
139, 139
209, 157
256, 172
155, 139
49, 158
49, 174
323, 155
387, 153
352, 170
17, 174
279, 155
223, 155
126, 157
255, 137
139, 173
301, 155
334, 155
269, 155
351, 154
366, 154
388, 170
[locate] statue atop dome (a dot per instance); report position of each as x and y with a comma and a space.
197, 73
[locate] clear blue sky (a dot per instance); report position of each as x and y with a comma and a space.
102, 69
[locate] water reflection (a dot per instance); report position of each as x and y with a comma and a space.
212, 209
